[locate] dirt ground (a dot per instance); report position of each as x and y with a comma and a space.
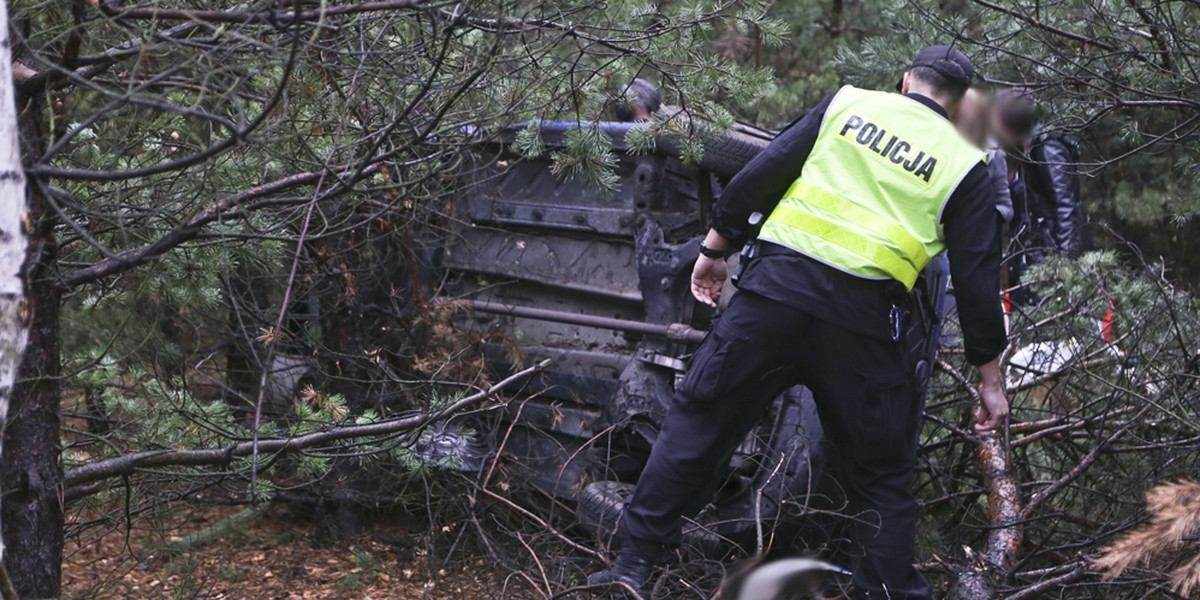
271, 558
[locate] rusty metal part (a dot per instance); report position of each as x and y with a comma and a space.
673, 331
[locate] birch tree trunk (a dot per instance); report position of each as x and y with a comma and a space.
14, 322
30, 456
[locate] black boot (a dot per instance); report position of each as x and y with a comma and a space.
632, 568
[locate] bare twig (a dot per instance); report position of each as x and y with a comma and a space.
1041, 587
1036, 500
7, 591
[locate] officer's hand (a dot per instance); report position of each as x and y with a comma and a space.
993, 407
708, 278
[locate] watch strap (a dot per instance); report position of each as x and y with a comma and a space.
711, 253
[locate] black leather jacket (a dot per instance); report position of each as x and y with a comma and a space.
1049, 215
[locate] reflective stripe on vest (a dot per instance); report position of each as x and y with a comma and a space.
869, 198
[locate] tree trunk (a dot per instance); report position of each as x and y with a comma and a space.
31, 471
14, 324
31, 475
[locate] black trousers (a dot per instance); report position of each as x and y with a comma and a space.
868, 406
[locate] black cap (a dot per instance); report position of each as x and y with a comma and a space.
949, 62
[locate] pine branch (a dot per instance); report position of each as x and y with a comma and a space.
132, 258
130, 463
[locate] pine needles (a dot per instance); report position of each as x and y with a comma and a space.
1169, 543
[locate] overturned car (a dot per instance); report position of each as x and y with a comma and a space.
599, 283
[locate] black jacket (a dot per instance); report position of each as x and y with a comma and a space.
1049, 213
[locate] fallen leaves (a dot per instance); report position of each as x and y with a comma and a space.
272, 559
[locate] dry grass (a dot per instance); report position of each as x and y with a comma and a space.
1168, 544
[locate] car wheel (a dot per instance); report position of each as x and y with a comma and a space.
728, 155
600, 506
602, 503
723, 157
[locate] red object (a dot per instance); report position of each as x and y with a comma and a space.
1106, 326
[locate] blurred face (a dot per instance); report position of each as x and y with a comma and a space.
1004, 136
972, 117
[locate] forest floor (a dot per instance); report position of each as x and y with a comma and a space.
273, 557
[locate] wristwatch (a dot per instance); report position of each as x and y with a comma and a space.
711, 253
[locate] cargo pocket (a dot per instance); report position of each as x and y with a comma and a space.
708, 374
889, 416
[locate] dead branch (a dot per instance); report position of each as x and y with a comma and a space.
1042, 495
235, 522
1004, 501
1166, 543
276, 18
1044, 586
1039, 24
977, 581
130, 463
32, 80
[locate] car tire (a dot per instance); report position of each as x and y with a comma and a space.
599, 509
723, 157
727, 156
602, 503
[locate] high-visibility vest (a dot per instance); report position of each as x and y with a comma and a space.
869, 199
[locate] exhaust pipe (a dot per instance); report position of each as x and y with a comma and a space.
674, 331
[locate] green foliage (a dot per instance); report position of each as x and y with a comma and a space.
348, 582
364, 560
232, 194
802, 44
163, 414
318, 412
183, 571
232, 573
587, 155
246, 191
1115, 75
529, 141
1116, 418
386, 107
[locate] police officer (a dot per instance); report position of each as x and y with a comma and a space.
861, 193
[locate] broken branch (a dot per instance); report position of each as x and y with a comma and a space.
130, 463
